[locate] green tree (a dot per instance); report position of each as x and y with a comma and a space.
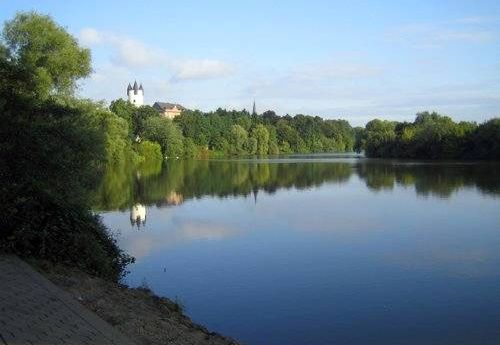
53, 148
261, 135
139, 118
166, 133
123, 109
190, 148
39, 48
238, 138
380, 137
251, 146
149, 151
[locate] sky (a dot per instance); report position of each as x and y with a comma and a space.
355, 60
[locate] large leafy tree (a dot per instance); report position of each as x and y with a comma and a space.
238, 138
261, 135
38, 47
166, 133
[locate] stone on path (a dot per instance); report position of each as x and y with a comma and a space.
33, 311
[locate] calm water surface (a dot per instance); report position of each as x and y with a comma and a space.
318, 250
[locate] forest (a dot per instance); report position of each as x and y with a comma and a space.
430, 136
234, 133
223, 133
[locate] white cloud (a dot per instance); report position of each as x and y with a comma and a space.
201, 69
131, 53
465, 30
473, 36
125, 51
332, 80
90, 36
335, 70
181, 230
477, 19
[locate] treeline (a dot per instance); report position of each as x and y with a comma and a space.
53, 150
234, 133
430, 136
241, 133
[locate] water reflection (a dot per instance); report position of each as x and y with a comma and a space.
177, 181
310, 251
138, 215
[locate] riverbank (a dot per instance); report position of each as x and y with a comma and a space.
136, 312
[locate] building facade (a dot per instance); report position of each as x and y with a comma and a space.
168, 110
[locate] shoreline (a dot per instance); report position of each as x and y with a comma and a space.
136, 312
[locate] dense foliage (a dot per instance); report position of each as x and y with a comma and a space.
431, 136
237, 133
240, 133
53, 149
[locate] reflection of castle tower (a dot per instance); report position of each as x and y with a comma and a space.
138, 215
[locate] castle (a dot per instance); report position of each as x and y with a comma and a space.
135, 96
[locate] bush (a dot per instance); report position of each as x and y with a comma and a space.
149, 150
45, 227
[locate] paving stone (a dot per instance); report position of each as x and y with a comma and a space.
33, 311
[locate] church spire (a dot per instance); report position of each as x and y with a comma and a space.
254, 111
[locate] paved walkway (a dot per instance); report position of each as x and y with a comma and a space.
33, 311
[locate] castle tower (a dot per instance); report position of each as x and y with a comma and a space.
135, 94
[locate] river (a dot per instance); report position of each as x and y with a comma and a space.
321, 249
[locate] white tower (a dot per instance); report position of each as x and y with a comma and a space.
135, 94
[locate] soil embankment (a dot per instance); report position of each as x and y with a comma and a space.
137, 313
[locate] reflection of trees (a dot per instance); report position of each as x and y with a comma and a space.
377, 176
430, 178
179, 180
186, 179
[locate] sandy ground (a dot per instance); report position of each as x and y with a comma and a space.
137, 313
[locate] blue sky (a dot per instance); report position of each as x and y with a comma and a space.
355, 60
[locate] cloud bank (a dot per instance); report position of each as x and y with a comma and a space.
134, 54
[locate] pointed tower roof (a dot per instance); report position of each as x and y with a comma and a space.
136, 87
140, 87
129, 87
254, 111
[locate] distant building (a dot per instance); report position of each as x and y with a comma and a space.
135, 94
168, 110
